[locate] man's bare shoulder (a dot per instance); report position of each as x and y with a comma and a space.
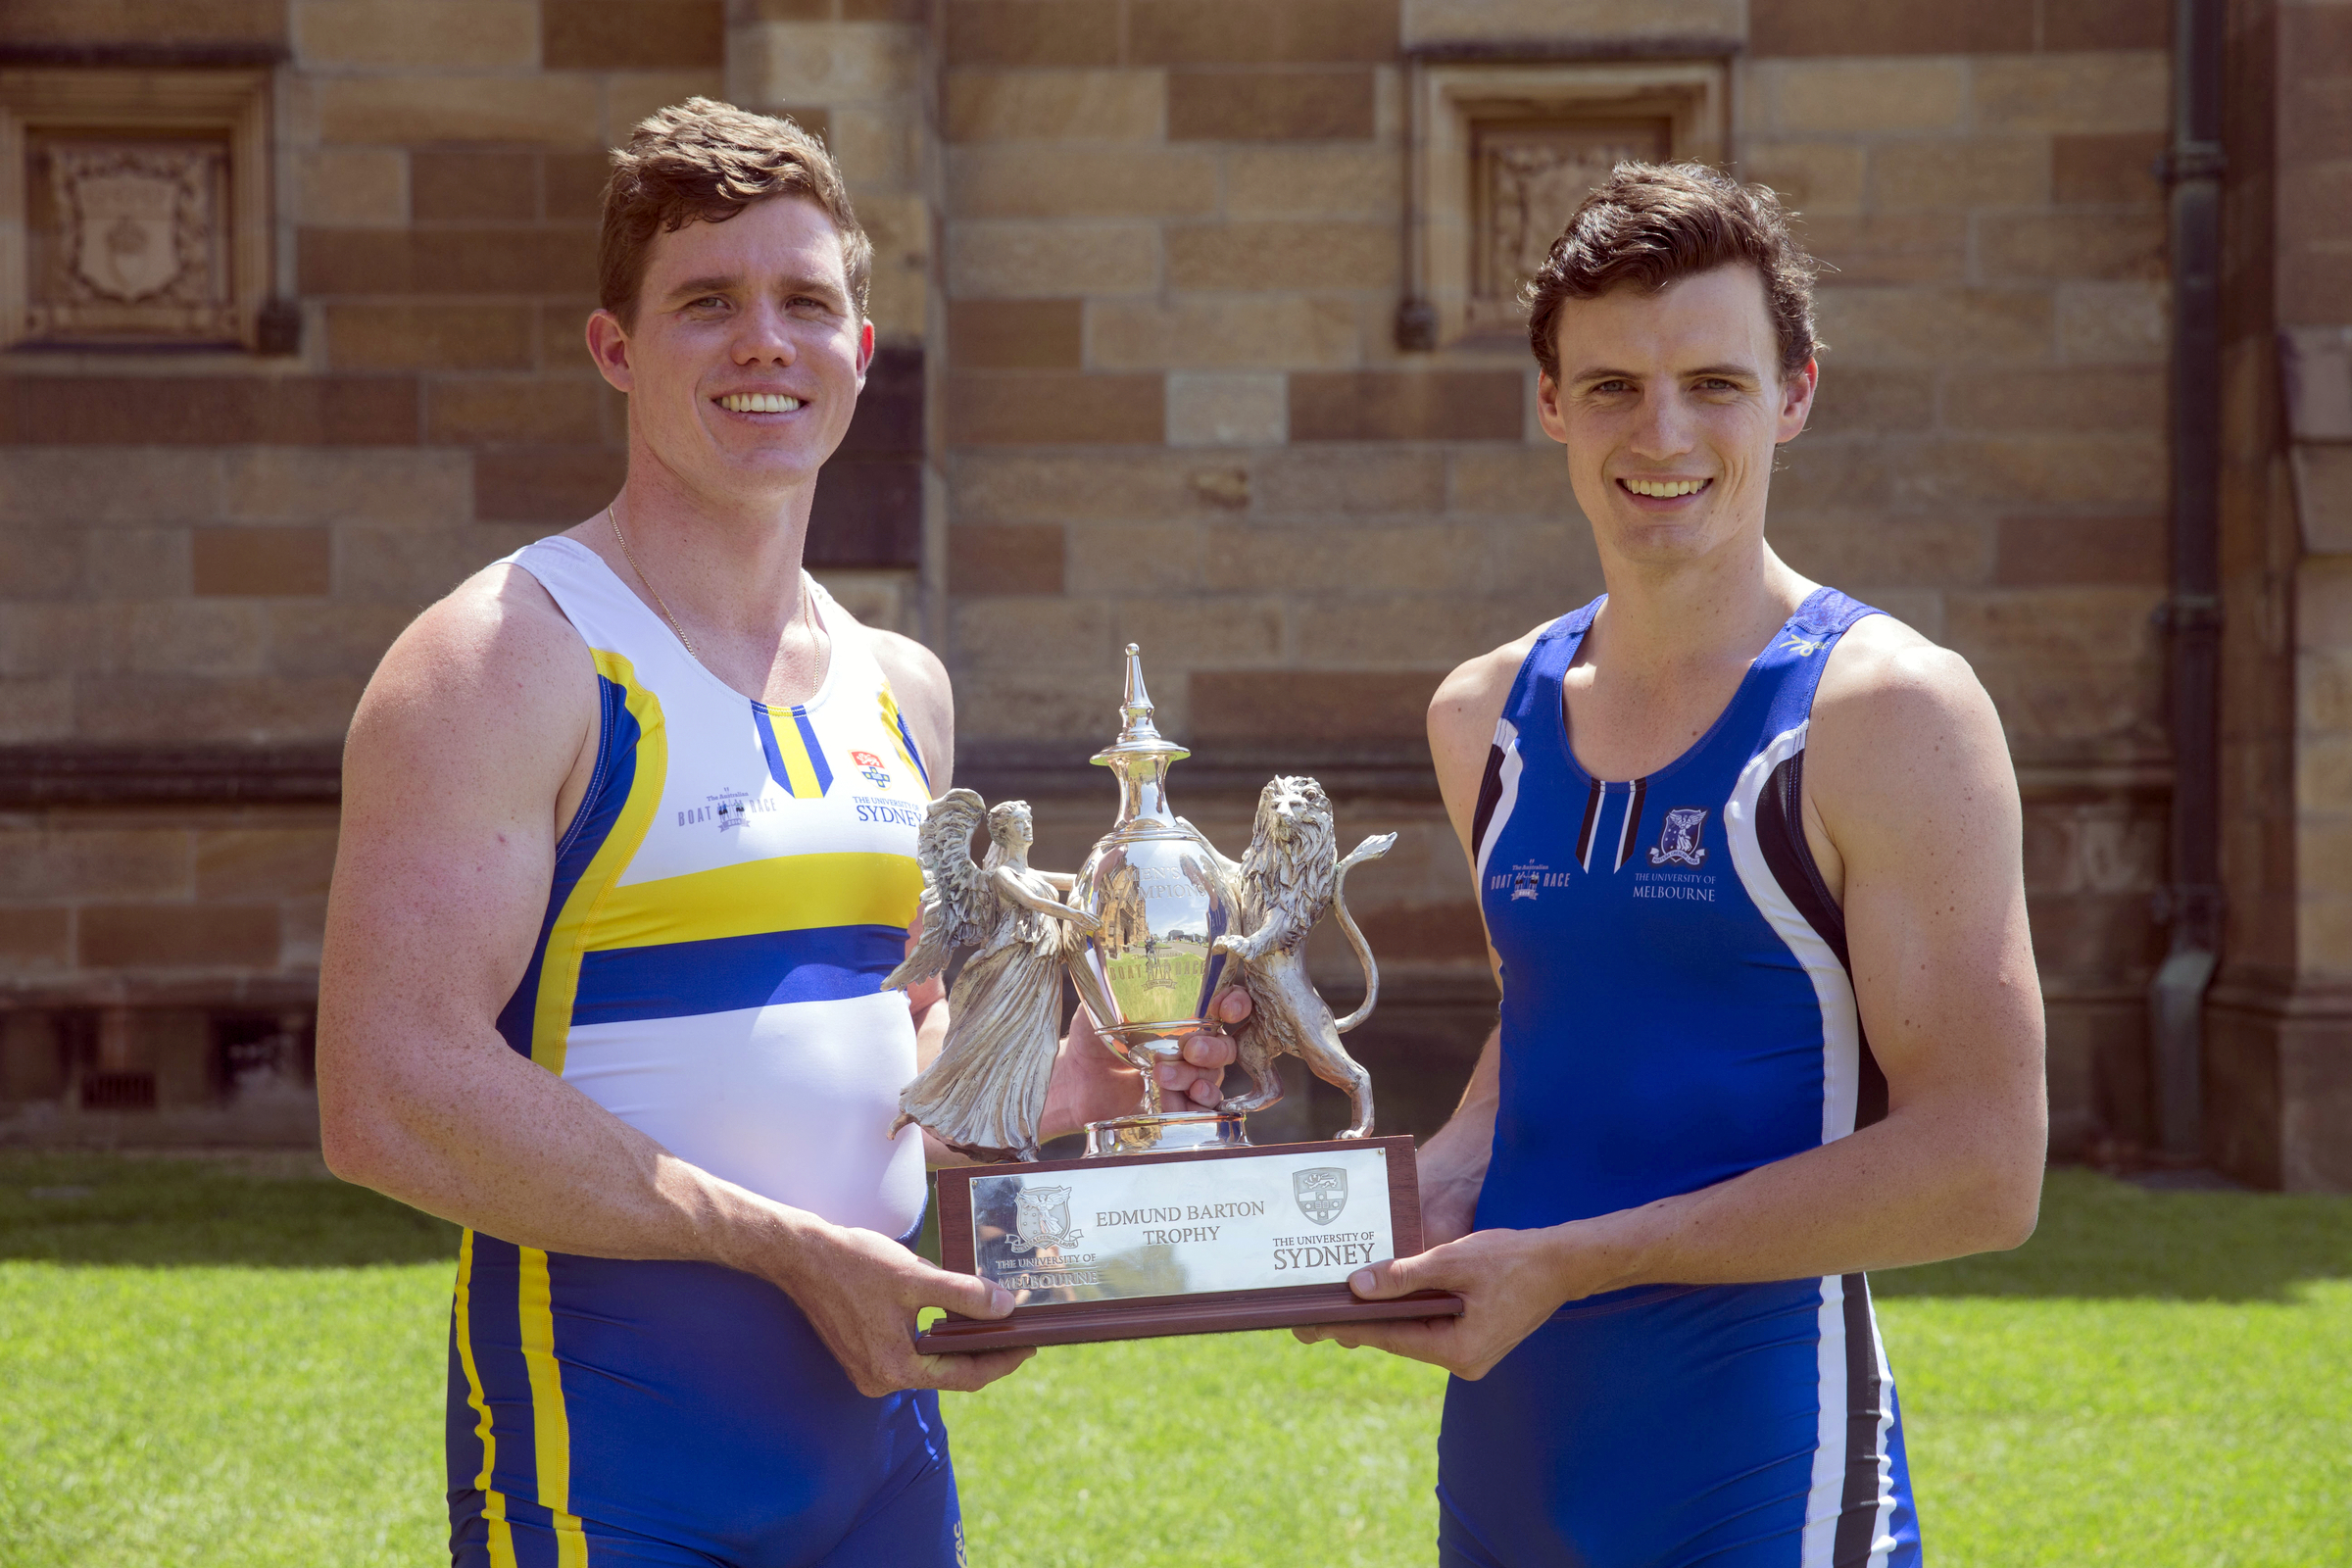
494, 667
1469, 700
1898, 718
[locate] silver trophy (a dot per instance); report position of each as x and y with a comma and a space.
1160, 921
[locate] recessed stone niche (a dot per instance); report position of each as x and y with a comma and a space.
135, 208
1503, 152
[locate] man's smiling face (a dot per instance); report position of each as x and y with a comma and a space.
745, 362
1670, 405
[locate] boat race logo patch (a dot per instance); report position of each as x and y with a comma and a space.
871, 767
1043, 1219
1678, 839
1322, 1193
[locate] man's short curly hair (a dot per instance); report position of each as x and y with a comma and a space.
1649, 224
704, 162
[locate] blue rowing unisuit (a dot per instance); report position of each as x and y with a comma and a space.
1677, 1011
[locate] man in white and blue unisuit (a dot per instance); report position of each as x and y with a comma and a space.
1749, 854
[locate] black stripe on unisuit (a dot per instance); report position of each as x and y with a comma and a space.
1489, 795
1858, 1509
1583, 834
1780, 835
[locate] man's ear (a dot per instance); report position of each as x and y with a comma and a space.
608, 347
1548, 407
1796, 400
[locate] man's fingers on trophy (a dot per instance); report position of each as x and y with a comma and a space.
964, 1293
1230, 1006
972, 1372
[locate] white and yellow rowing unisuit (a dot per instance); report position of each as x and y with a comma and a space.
736, 883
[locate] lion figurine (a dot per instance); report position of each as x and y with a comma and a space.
1289, 876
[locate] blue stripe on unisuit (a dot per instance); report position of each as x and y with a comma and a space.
725, 974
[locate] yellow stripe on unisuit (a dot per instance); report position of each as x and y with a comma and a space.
559, 965
787, 893
551, 1424
494, 1504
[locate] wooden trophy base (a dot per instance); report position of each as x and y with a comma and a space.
1152, 1316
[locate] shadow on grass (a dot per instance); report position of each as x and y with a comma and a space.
2100, 1237
99, 1208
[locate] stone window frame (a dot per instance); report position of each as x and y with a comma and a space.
1446, 98
234, 102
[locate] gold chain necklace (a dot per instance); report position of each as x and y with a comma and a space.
630, 556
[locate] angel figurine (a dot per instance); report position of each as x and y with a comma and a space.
984, 1097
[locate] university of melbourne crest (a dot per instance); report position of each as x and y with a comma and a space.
1322, 1193
1042, 1217
1678, 839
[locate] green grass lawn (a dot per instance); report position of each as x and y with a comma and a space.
235, 1362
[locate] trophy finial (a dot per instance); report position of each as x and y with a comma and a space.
1139, 737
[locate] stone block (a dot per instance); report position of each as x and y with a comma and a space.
77, 864
1851, 399
334, 639
41, 562
1016, 334
2071, 627
1960, 172
351, 187
2312, 200
1052, 408
1029, 632
281, 485
1311, 180
1870, 97
1270, 104
1859, 249
1352, 633
2114, 91
1099, 106
61, 639
2315, 286
1059, 180
1881, 550
175, 936
1014, 558
1319, 255
545, 410
2089, 24
265, 711
448, 261
2106, 167
473, 187
1521, 481
2102, 246
1137, 558
1217, 32
2053, 552
2102, 470
2315, 42
1841, 472
34, 709
407, 336
415, 567
1306, 706
557, 110
469, 34
136, 564
1933, 326
2323, 602
70, 485
829, 63
2082, 397
1204, 331
572, 186
237, 25
260, 563
1036, 705
95, 410
33, 942
1813, 177
1051, 259
1863, 28
1240, 409
633, 35
2114, 323
1405, 405
1219, 633
546, 484
1032, 32
265, 863
1351, 482
194, 637
1596, 24
1355, 558
996, 486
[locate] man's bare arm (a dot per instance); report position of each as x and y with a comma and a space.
465, 746
1911, 778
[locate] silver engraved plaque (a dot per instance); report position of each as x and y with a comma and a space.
1120, 1230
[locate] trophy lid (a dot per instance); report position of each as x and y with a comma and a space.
1139, 738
